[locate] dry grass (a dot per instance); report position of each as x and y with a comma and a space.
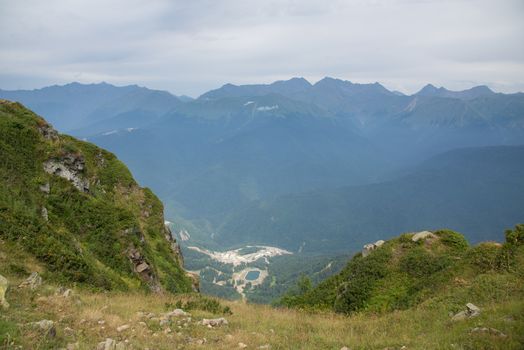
94, 317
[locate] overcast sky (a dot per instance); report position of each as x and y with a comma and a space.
189, 47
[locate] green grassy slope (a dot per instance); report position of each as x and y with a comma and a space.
403, 273
85, 220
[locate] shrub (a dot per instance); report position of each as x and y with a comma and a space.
453, 239
516, 236
420, 263
485, 256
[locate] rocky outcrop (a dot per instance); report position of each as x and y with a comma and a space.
195, 281
33, 281
140, 265
4, 284
48, 132
368, 248
423, 235
69, 167
175, 248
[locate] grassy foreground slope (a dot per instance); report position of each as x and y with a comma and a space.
76, 209
87, 318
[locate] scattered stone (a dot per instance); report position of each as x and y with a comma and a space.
4, 284
44, 213
142, 267
120, 346
176, 313
490, 331
266, 346
214, 322
69, 331
460, 316
123, 328
471, 311
72, 346
424, 235
101, 322
33, 281
64, 292
45, 188
345, 348
108, 344
242, 346
368, 248
142, 323
45, 326
229, 337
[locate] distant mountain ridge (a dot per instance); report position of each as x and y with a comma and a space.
234, 147
75, 105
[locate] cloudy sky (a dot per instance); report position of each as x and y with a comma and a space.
188, 47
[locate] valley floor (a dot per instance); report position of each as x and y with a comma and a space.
86, 318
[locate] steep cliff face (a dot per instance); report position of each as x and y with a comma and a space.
77, 209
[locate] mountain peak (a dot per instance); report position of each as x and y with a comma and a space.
474, 92
428, 89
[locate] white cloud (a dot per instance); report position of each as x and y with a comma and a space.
192, 46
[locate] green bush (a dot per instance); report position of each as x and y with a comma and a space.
516, 236
453, 240
419, 263
485, 256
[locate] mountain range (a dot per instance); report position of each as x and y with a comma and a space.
340, 163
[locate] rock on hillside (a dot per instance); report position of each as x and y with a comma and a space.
77, 209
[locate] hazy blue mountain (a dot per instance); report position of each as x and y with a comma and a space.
469, 94
477, 190
283, 87
212, 157
220, 160
75, 106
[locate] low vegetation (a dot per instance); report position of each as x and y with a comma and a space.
83, 218
403, 273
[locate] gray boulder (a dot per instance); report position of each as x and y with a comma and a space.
214, 322
423, 235
176, 313
368, 248
471, 311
